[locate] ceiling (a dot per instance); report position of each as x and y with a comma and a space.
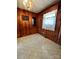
37, 5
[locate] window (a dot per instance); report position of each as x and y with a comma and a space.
33, 21
49, 20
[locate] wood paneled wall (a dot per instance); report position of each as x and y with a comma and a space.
52, 35
25, 27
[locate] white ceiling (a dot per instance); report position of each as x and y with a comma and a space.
37, 5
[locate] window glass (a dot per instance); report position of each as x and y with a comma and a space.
49, 20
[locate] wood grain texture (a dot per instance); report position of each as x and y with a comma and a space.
52, 35
25, 27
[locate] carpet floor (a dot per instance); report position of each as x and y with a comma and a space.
37, 47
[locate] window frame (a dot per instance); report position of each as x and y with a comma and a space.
53, 26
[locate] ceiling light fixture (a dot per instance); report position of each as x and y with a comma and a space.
27, 4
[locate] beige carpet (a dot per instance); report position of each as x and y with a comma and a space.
37, 47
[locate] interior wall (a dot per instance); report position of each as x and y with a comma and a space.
25, 27
52, 35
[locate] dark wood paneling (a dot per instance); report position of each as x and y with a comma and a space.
52, 35
25, 27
